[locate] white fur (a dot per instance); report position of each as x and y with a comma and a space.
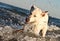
40, 22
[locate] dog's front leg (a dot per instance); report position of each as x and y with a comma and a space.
36, 30
44, 30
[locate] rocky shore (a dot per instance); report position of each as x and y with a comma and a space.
8, 33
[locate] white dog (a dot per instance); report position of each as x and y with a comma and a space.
39, 19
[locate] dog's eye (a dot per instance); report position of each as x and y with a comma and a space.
34, 15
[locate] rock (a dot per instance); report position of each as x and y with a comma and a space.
13, 39
1, 38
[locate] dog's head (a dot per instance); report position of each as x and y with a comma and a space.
35, 14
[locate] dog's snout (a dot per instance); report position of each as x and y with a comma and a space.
27, 20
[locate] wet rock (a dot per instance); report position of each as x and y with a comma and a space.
1, 38
13, 39
7, 34
58, 39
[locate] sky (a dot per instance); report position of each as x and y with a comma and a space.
52, 6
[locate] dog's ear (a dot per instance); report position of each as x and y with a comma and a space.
32, 8
44, 13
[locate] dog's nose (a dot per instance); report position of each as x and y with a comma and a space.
27, 20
